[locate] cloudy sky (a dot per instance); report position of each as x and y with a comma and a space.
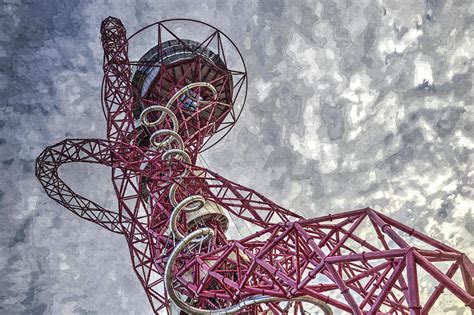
351, 104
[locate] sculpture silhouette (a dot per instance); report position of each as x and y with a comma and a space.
174, 214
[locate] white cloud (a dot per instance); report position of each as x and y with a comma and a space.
423, 71
263, 89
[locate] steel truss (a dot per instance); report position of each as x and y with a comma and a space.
360, 261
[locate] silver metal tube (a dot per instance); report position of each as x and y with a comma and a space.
172, 136
257, 299
184, 154
158, 108
172, 194
182, 206
174, 187
166, 108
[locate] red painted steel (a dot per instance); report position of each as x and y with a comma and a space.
359, 261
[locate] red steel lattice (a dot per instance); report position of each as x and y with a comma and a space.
174, 213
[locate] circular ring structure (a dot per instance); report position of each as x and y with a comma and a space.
231, 56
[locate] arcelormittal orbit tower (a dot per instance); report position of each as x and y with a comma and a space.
166, 98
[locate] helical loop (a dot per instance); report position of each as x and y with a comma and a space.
166, 132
